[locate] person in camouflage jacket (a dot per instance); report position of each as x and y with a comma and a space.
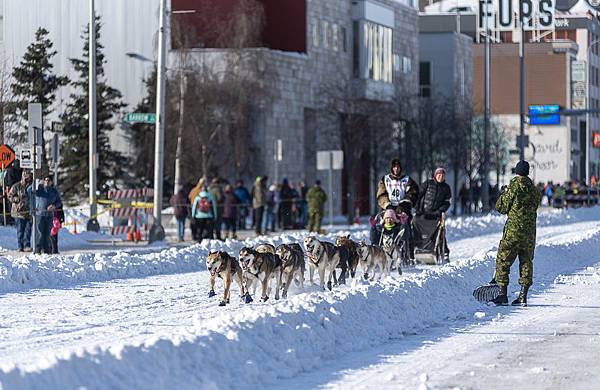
520, 201
315, 198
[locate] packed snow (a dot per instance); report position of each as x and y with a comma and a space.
124, 320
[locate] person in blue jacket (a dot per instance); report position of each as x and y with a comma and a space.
47, 200
204, 210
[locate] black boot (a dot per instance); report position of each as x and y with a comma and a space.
522, 299
502, 299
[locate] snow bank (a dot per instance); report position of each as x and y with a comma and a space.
49, 271
262, 343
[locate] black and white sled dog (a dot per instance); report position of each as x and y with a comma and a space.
372, 257
323, 256
260, 267
292, 264
394, 251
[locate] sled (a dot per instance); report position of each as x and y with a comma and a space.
430, 240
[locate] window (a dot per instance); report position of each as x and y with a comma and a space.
425, 79
344, 45
355, 50
325, 34
315, 32
377, 46
334, 36
406, 65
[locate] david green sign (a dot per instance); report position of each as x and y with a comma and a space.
139, 117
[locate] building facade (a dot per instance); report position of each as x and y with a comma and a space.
562, 68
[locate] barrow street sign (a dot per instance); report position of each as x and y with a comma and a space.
140, 117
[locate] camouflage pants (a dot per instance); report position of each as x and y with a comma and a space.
507, 254
314, 221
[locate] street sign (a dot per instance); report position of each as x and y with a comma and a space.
503, 15
25, 155
55, 149
7, 156
578, 71
536, 117
140, 117
57, 126
278, 155
34, 117
524, 141
330, 159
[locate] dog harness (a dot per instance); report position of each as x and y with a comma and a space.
396, 188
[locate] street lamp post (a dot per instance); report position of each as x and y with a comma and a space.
92, 224
157, 232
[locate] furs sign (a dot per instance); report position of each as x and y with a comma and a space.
503, 15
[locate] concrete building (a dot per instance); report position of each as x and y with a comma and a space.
554, 62
369, 45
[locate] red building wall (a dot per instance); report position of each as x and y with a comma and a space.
205, 23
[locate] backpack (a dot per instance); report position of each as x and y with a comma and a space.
204, 205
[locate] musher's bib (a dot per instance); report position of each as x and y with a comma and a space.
396, 188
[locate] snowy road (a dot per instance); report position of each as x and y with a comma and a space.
553, 343
122, 324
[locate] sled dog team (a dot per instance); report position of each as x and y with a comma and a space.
266, 264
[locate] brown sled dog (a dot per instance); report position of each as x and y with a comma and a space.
226, 267
352, 257
292, 264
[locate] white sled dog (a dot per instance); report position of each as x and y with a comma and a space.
323, 256
292, 264
224, 266
261, 267
371, 257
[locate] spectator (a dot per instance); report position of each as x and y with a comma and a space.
302, 211
243, 196
20, 197
47, 200
216, 192
463, 194
180, 209
285, 208
316, 199
204, 210
272, 206
192, 198
259, 200
230, 203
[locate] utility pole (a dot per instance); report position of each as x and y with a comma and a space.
92, 224
522, 88
178, 150
485, 193
157, 232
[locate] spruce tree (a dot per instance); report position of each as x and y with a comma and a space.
35, 82
75, 161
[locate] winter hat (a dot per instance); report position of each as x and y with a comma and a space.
522, 168
273, 188
439, 170
395, 162
390, 214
